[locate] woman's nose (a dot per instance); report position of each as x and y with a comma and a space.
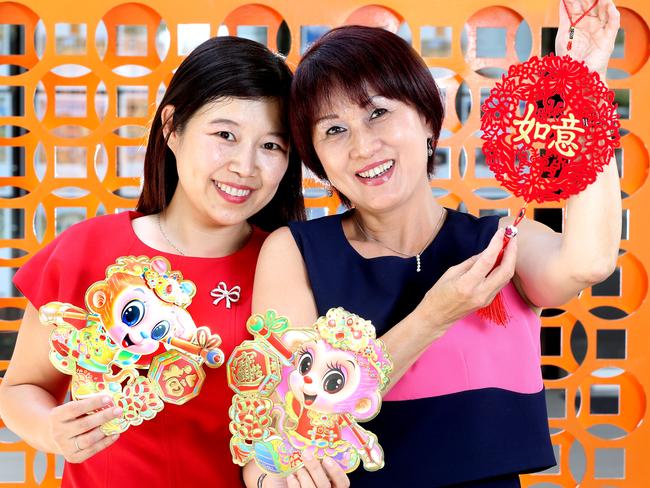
243, 163
365, 143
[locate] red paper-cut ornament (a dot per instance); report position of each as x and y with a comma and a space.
549, 127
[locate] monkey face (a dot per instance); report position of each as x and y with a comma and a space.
140, 320
324, 377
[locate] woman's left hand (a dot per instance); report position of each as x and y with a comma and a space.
593, 40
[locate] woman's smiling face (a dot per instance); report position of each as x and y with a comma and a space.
231, 156
376, 155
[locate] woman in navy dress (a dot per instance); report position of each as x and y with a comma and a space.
467, 404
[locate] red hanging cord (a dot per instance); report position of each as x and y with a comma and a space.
572, 29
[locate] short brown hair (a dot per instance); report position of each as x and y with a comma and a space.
352, 60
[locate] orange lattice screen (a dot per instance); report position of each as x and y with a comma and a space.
79, 86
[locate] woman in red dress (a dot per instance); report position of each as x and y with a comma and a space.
218, 176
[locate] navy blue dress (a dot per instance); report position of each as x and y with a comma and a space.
489, 427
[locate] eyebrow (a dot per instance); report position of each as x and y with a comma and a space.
281, 135
223, 121
335, 116
326, 117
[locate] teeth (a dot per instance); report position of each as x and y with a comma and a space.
377, 170
235, 192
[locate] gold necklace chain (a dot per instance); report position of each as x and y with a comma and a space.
417, 256
167, 238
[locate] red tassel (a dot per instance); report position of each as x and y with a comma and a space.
496, 312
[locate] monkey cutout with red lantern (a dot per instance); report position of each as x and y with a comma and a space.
300, 390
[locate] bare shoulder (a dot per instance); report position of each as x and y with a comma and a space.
280, 252
279, 241
281, 279
280, 259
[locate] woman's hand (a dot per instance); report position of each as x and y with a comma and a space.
470, 285
463, 289
316, 474
74, 427
594, 36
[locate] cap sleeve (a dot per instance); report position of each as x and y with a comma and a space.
53, 273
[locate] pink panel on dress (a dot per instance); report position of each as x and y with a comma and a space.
474, 354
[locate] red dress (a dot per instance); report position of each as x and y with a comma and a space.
185, 445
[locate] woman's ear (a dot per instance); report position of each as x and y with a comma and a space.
167, 117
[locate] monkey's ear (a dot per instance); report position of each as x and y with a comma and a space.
367, 407
97, 296
295, 337
184, 326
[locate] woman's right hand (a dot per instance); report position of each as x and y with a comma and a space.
75, 427
316, 474
469, 286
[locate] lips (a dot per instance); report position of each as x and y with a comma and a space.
376, 169
233, 193
309, 399
376, 173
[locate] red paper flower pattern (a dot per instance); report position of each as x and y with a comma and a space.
548, 128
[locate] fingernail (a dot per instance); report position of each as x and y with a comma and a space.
106, 400
117, 411
328, 461
115, 436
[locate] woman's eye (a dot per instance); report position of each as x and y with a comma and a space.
133, 312
334, 130
333, 381
224, 134
272, 146
160, 330
378, 112
305, 363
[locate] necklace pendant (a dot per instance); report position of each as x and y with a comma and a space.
417, 262
569, 45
